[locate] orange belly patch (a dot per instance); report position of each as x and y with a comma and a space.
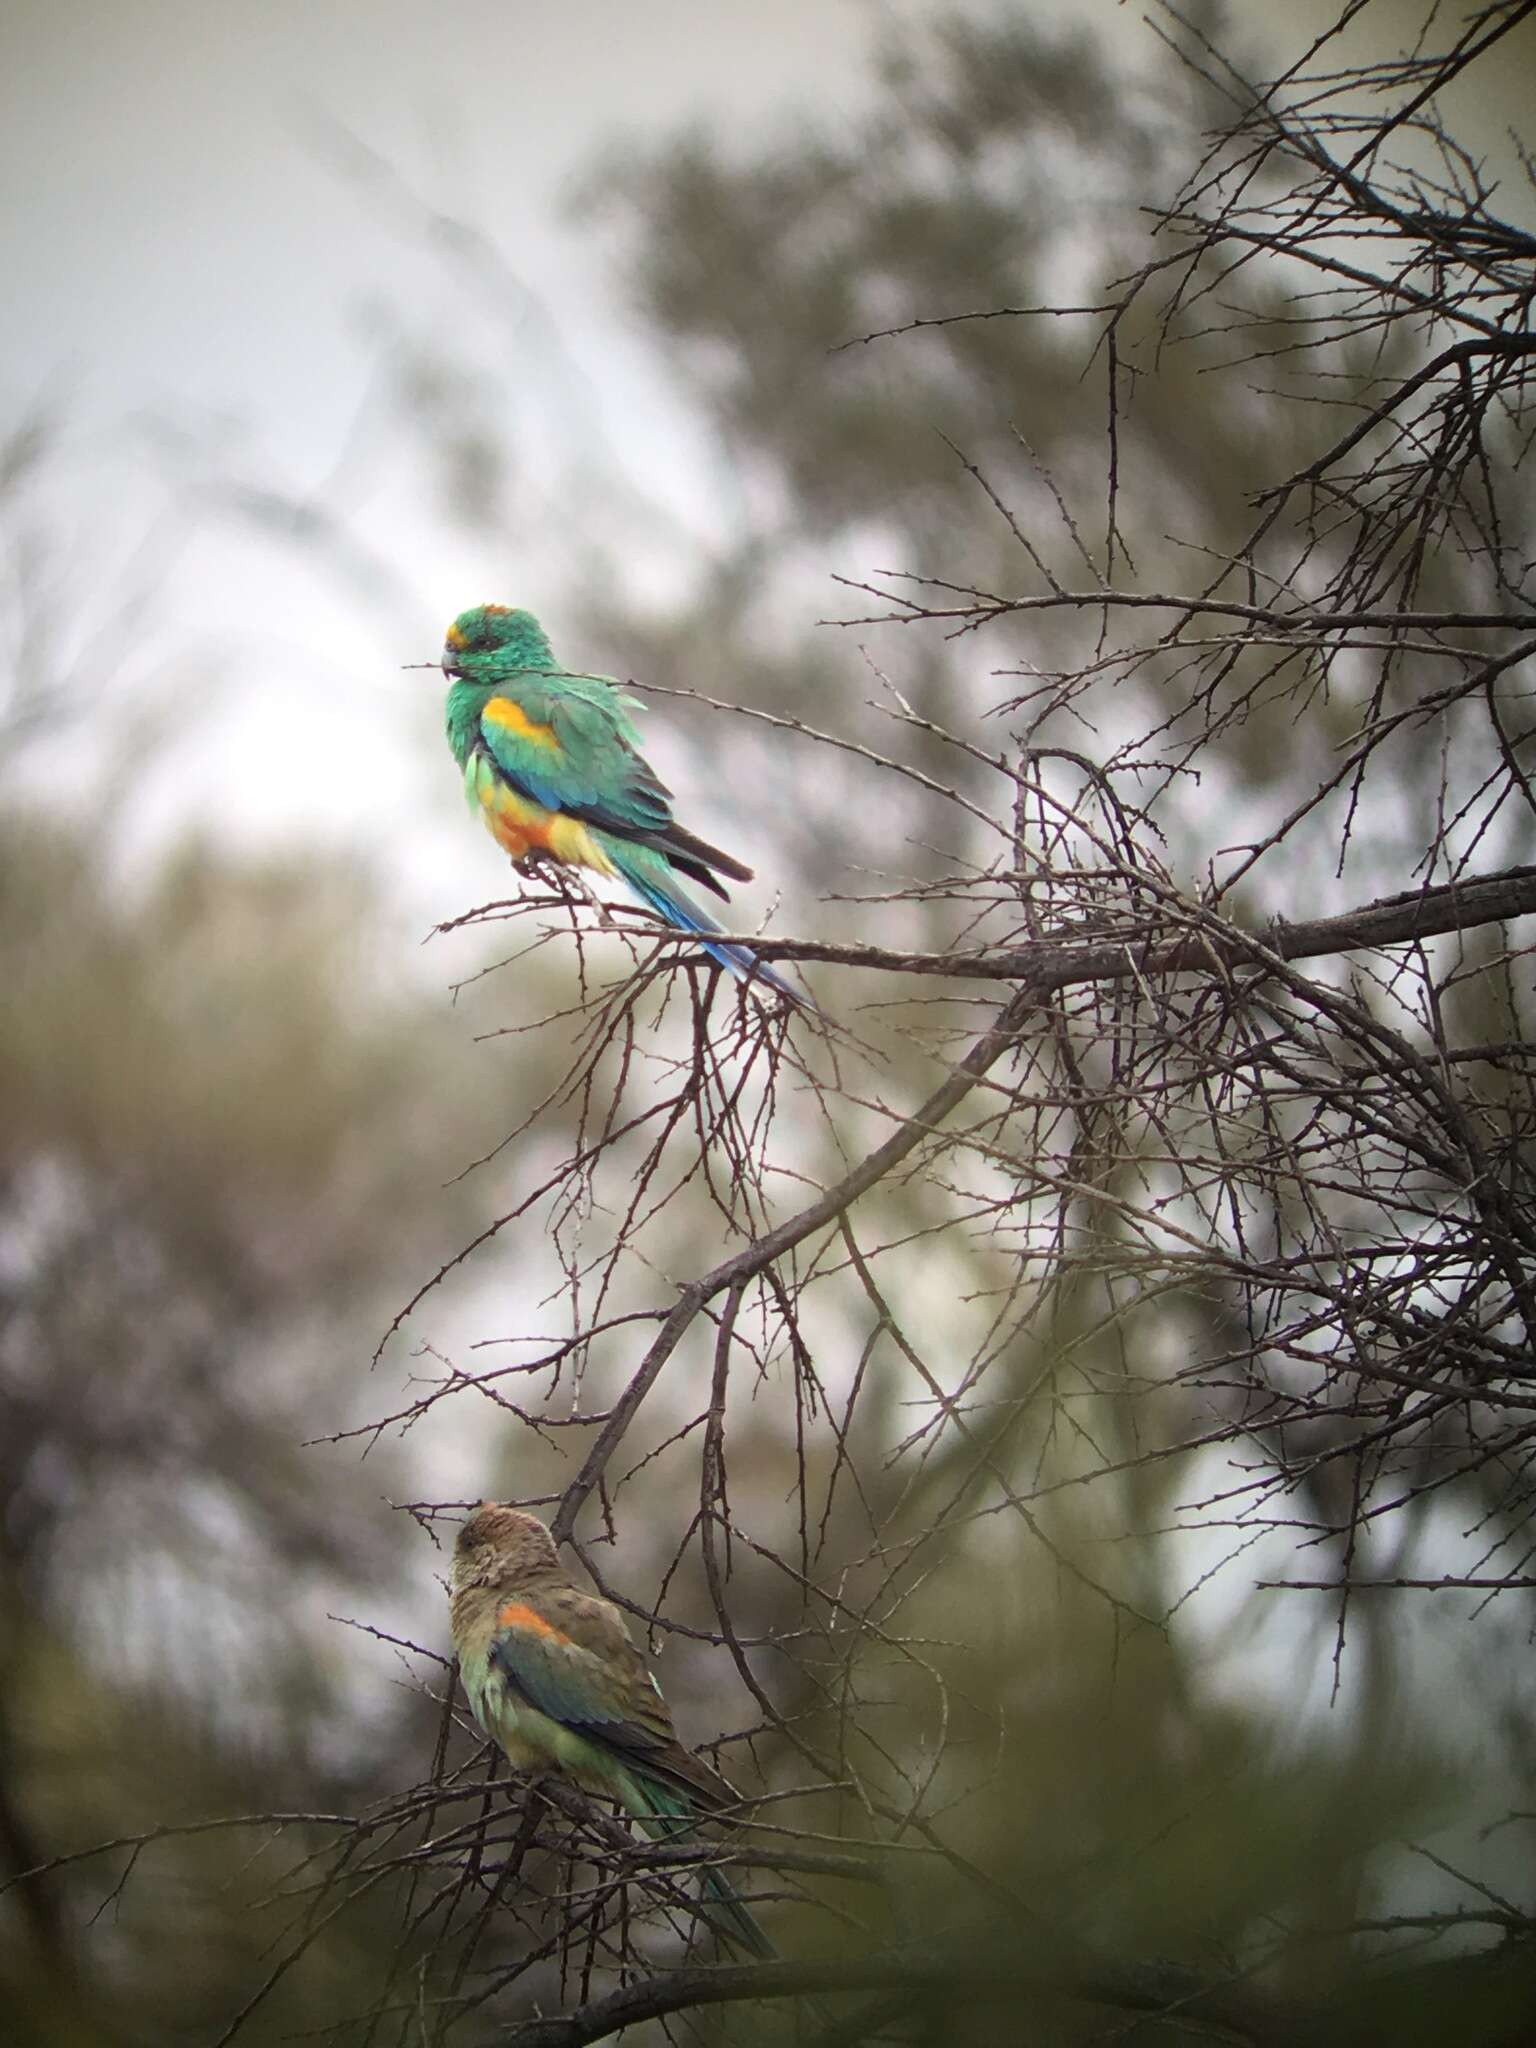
515, 824
518, 824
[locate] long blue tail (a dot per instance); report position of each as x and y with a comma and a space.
680, 911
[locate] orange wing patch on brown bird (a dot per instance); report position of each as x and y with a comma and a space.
517, 1614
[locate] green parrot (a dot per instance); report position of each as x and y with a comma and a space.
552, 762
555, 1681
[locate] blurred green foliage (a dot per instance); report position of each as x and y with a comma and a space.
223, 1139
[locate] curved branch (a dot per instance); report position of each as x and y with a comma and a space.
964, 1977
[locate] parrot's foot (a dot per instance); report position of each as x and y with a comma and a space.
538, 866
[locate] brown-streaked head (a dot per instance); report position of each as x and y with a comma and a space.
499, 1543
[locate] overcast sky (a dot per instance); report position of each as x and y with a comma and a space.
175, 231
188, 244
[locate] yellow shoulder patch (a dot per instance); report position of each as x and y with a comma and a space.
513, 718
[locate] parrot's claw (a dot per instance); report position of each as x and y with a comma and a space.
538, 866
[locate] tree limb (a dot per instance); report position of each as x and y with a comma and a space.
963, 1977
1390, 921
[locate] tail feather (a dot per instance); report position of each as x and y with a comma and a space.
680, 911
665, 1811
670, 1814
741, 1926
700, 855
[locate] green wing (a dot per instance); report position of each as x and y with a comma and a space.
570, 746
597, 1687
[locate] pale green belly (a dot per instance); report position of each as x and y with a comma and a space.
532, 1741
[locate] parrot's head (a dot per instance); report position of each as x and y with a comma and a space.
501, 1543
492, 640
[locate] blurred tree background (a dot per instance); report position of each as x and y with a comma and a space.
226, 1135
959, 1515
